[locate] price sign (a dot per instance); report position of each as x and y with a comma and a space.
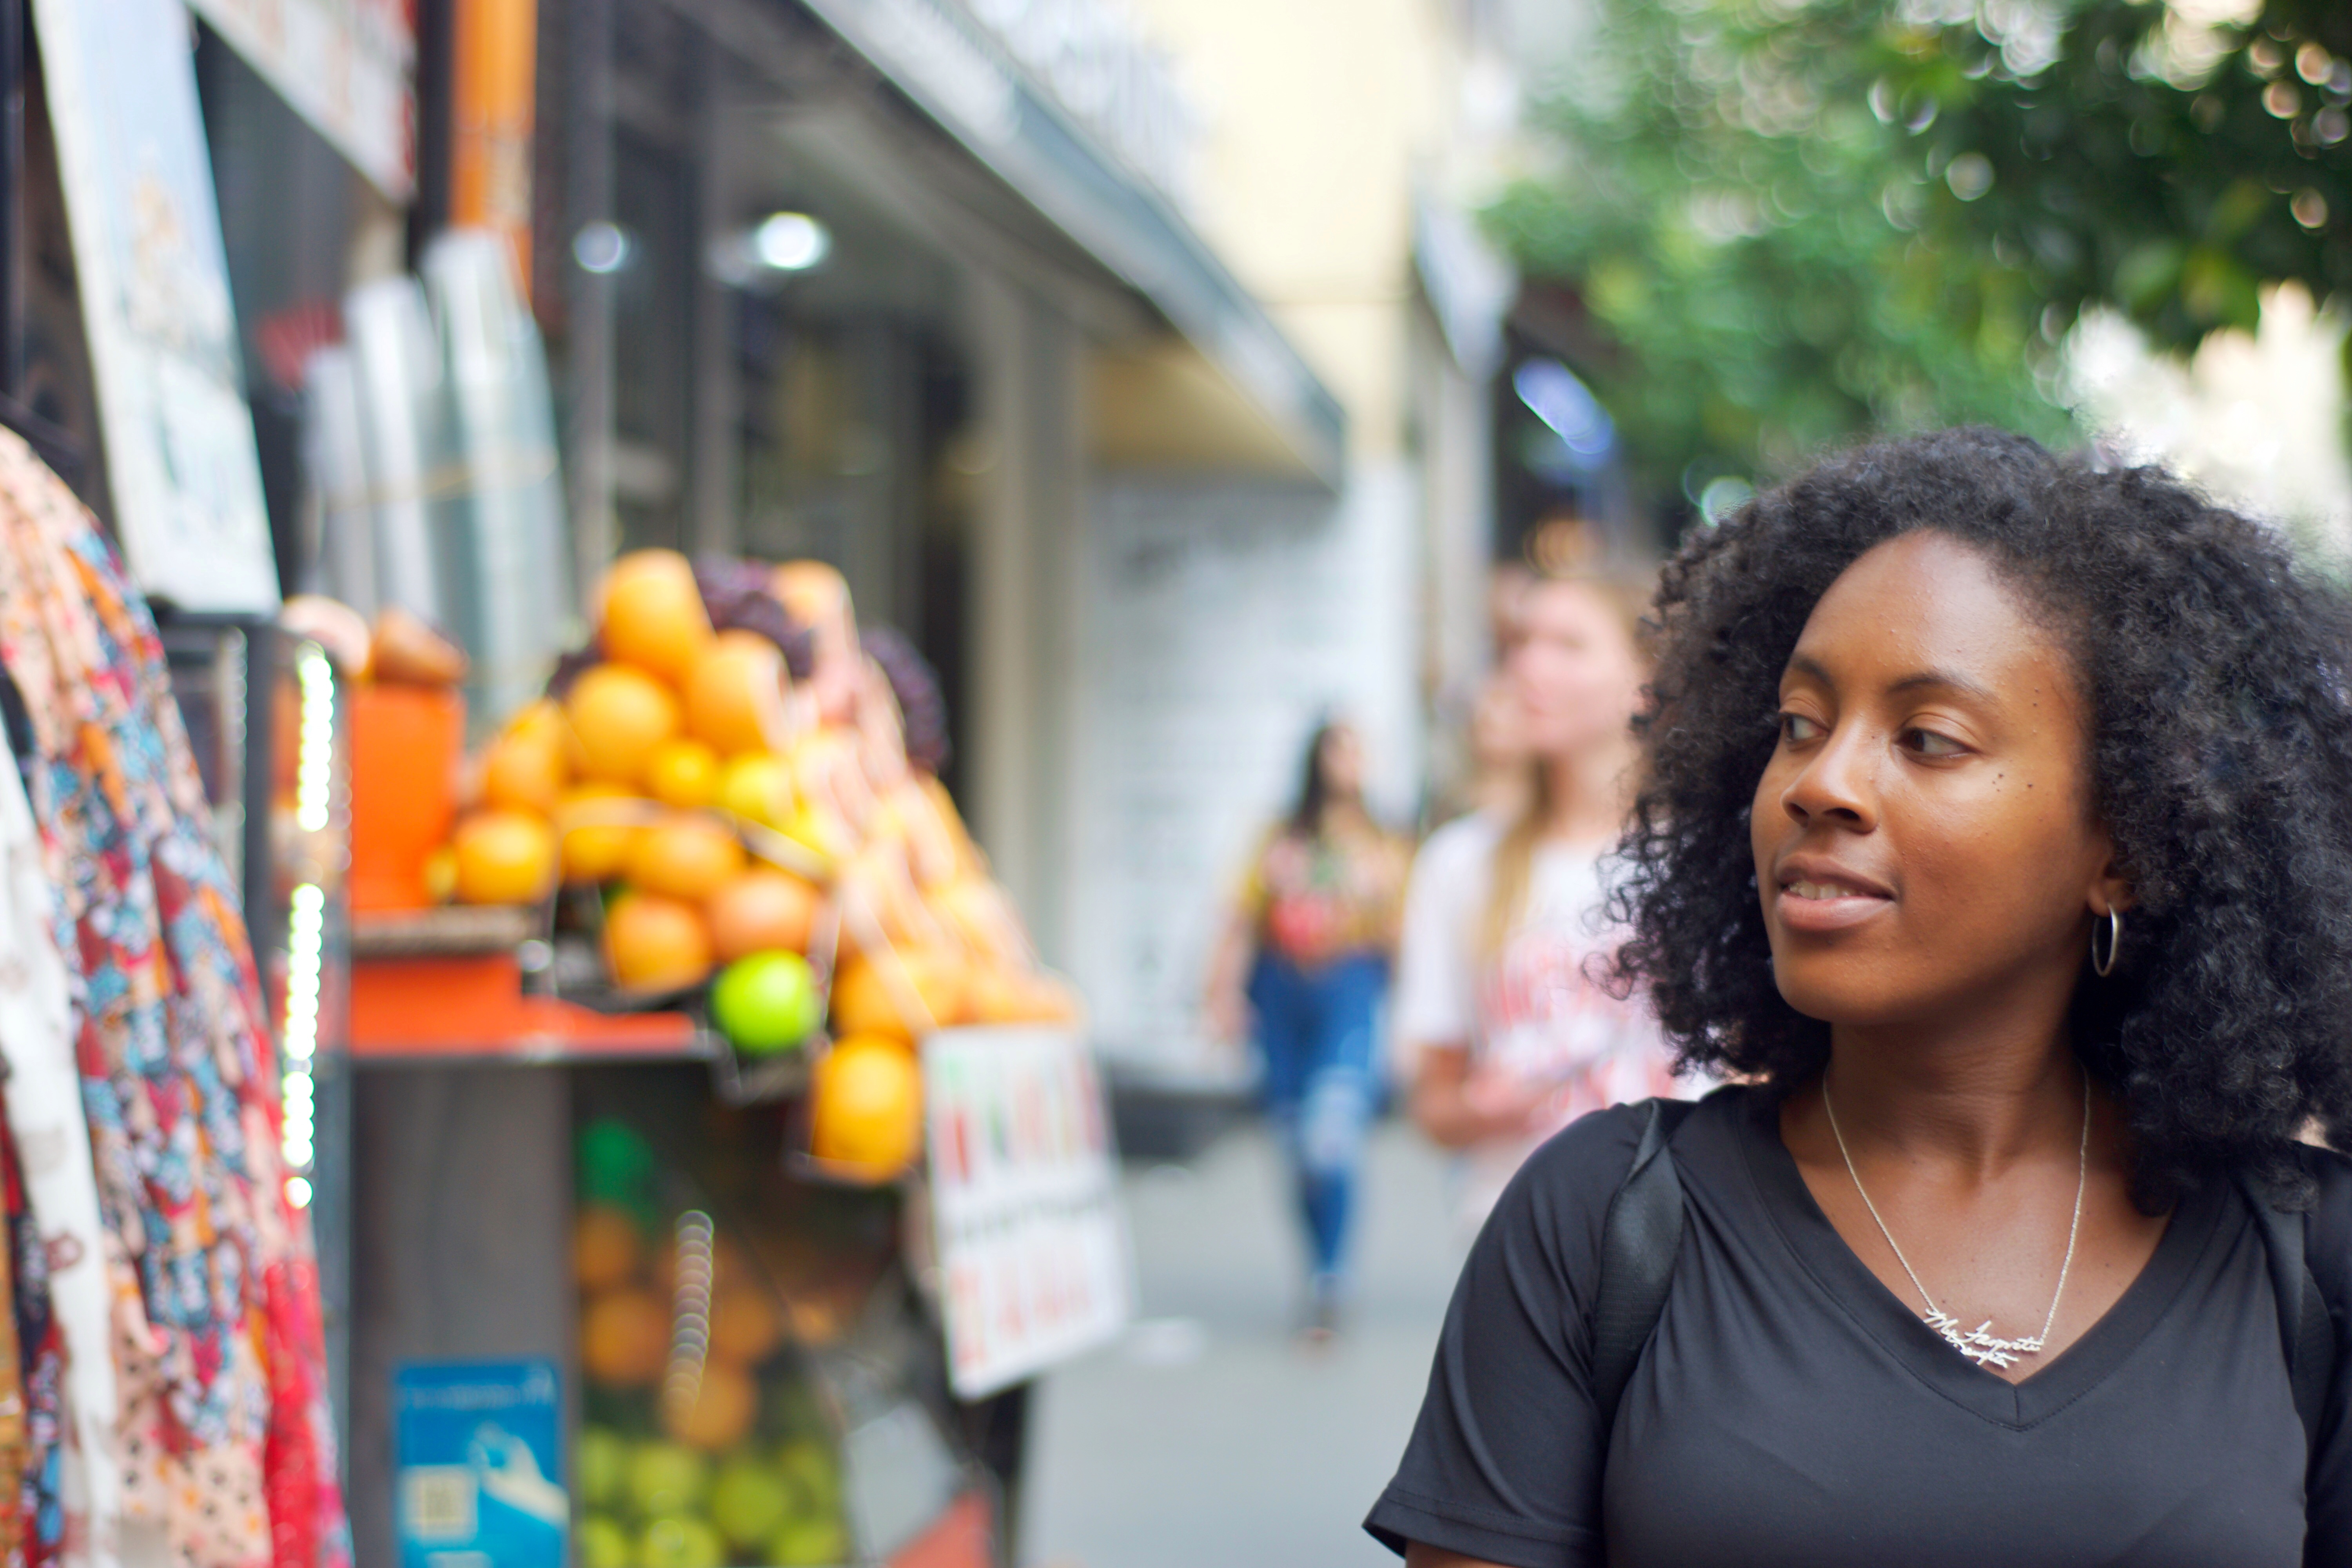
1032, 1241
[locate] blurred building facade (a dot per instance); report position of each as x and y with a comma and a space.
1137, 361
1143, 380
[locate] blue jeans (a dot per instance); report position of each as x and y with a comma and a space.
1315, 1028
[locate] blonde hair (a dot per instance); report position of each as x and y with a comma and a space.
1627, 592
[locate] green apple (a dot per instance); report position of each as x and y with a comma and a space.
813, 1541
809, 1465
749, 1501
767, 1003
680, 1541
603, 1466
667, 1478
605, 1544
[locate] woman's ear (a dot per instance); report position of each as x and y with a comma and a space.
2111, 891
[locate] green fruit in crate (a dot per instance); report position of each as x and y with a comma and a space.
767, 1003
749, 1501
811, 1542
680, 1541
603, 1466
605, 1544
667, 1478
809, 1465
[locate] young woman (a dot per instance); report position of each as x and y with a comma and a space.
1997, 834
1510, 1033
1306, 956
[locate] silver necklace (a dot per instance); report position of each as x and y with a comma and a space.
1979, 1345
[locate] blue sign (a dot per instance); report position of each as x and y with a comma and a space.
480, 1478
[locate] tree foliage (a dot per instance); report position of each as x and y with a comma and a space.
1795, 222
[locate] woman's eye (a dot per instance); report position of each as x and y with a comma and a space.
1928, 744
1796, 729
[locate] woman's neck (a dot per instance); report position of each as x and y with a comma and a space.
1978, 1095
1344, 815
1589, 792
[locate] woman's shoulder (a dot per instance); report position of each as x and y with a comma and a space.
1463, 845
1579, 1169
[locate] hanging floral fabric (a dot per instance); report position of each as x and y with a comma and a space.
73, 1497
225, 1440
32, 1449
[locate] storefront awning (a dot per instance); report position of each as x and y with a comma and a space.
948, 64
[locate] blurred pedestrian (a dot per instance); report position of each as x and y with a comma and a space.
1510, 1035
1303, 965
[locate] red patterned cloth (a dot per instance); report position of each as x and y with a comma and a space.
225, 1438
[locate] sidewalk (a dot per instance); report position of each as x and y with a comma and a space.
1209, 1437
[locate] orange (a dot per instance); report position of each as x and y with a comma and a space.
758, 787
712, 1412
687, 856
746, 1324
977, 912
656, 943
440, 874
1001, 995
683, 773
539, 720
865, 1001
759, 911
651, 614
594, 846
624, 1338
604, 1247
504, 857
523, 771
865, 1107
618, 716
735, 695
810, 591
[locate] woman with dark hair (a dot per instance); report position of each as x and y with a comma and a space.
1997, 835
1306, 956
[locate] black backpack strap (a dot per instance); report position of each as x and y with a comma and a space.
1639, 1239
2306, 1329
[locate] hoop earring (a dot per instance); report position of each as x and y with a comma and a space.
2106, 966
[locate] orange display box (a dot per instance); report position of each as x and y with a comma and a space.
408, 744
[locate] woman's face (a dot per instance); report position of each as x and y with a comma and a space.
1572, 671
1342, 760
1923, 834
1496, 738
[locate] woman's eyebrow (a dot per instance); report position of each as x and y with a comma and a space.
1813, 669
1947, 680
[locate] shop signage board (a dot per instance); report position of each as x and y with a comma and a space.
481, 1475
1033, 1249
181, 465
345, 66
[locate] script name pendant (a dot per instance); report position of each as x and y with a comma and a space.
1978, 1343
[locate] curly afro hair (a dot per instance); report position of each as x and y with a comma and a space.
2214, 670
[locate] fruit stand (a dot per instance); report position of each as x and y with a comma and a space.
683, 926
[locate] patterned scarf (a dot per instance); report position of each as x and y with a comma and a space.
224, 1435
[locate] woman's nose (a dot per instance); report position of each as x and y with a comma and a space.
1834, 785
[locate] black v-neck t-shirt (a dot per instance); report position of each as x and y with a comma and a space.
1790, 1410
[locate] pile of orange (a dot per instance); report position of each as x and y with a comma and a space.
705, 1381
728, 810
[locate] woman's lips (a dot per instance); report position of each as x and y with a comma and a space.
1825, 906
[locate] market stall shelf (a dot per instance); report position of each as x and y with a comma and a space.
448, 1009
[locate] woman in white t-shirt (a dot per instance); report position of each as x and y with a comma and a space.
1507, 1032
